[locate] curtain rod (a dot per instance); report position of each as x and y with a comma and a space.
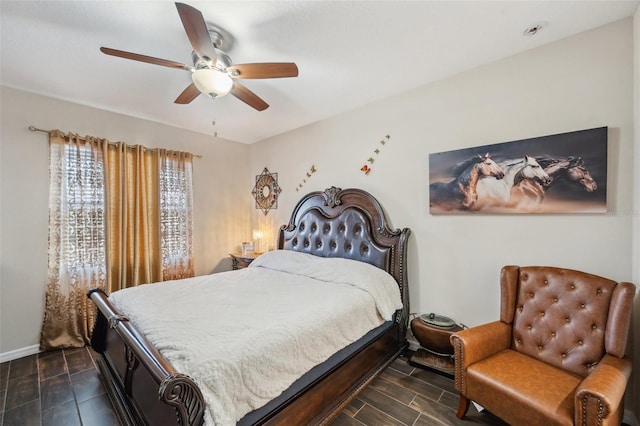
35, 129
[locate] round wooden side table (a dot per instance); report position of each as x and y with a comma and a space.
433, 335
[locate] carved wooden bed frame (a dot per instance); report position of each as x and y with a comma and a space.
350, 223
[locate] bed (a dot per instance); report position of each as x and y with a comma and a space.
144, 386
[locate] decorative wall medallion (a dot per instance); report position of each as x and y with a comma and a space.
266, 191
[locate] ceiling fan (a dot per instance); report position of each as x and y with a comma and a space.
212, 72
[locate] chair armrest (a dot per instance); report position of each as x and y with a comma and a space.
477, 343
602, 391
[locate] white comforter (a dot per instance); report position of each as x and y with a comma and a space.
245, 336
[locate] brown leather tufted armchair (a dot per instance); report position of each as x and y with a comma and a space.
556, 357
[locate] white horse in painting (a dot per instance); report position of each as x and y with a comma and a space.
497, 193
531, 192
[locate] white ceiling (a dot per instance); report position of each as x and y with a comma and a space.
349, 53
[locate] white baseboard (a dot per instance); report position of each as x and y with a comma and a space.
19, 353
629, 418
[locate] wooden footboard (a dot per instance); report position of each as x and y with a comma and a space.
145, 390
320, 403
142, 386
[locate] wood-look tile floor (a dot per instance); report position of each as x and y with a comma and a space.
54, 388
414, 396
62, 388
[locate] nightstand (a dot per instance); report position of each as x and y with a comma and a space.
433, 332
239, 260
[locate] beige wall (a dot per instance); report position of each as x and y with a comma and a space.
635, 330
222, 184
582, 82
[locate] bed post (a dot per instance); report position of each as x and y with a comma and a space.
179, 391
403, 317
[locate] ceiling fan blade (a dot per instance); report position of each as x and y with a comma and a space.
264, 70
248, 97
196, 29
144, 58
187, 95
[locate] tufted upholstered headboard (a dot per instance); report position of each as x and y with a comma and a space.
349, 223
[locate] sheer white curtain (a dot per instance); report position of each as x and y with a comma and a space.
176, 214
77, 254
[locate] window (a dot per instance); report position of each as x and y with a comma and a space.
105, 230
78, 200
176, 226
78, 210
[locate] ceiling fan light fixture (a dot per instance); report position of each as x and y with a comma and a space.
212, 82
212, 71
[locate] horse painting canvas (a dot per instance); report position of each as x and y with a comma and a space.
562, 173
